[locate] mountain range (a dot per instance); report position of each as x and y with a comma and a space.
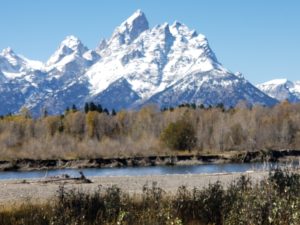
282, 89
166, 65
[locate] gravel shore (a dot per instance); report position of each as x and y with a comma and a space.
35, 190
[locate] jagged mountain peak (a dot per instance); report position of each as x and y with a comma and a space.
72, 42
130, 29
137, 20
7, 51
181, 29
19, 61
11, 58
13, 65
102, 45
163, 29
71, 45
177, 24
137, 17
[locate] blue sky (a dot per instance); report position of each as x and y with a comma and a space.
260, 38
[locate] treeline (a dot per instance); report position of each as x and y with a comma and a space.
95, 132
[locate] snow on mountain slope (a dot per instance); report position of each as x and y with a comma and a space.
137, 65
210, 88
19, 78
154, 60
13, 65
118, 95
282, 89
129, 30
163, 58
65, 84
71, 51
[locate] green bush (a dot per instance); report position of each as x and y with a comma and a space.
180, 135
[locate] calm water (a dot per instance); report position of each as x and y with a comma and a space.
138, 171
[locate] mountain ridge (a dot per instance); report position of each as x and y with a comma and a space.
282, 89
137, 65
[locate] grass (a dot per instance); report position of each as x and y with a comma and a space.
276, 200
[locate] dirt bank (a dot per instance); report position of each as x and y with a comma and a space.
187, 159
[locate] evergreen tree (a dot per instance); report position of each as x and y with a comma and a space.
74, 108
113, 112
93, 107
45, 113
201, 106
164, 109
105, 110
99, 108
221, 106
86, 107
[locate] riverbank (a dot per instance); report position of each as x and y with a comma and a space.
168, 160
37, 190
170, 199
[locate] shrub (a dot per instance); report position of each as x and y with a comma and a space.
180, 135
242, 203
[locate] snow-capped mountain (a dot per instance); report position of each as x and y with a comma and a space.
64, 84
210, 88
282, 89
137, 65
71, 52
19, 78
15, 66
166, 60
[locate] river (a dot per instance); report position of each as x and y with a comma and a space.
141, 171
